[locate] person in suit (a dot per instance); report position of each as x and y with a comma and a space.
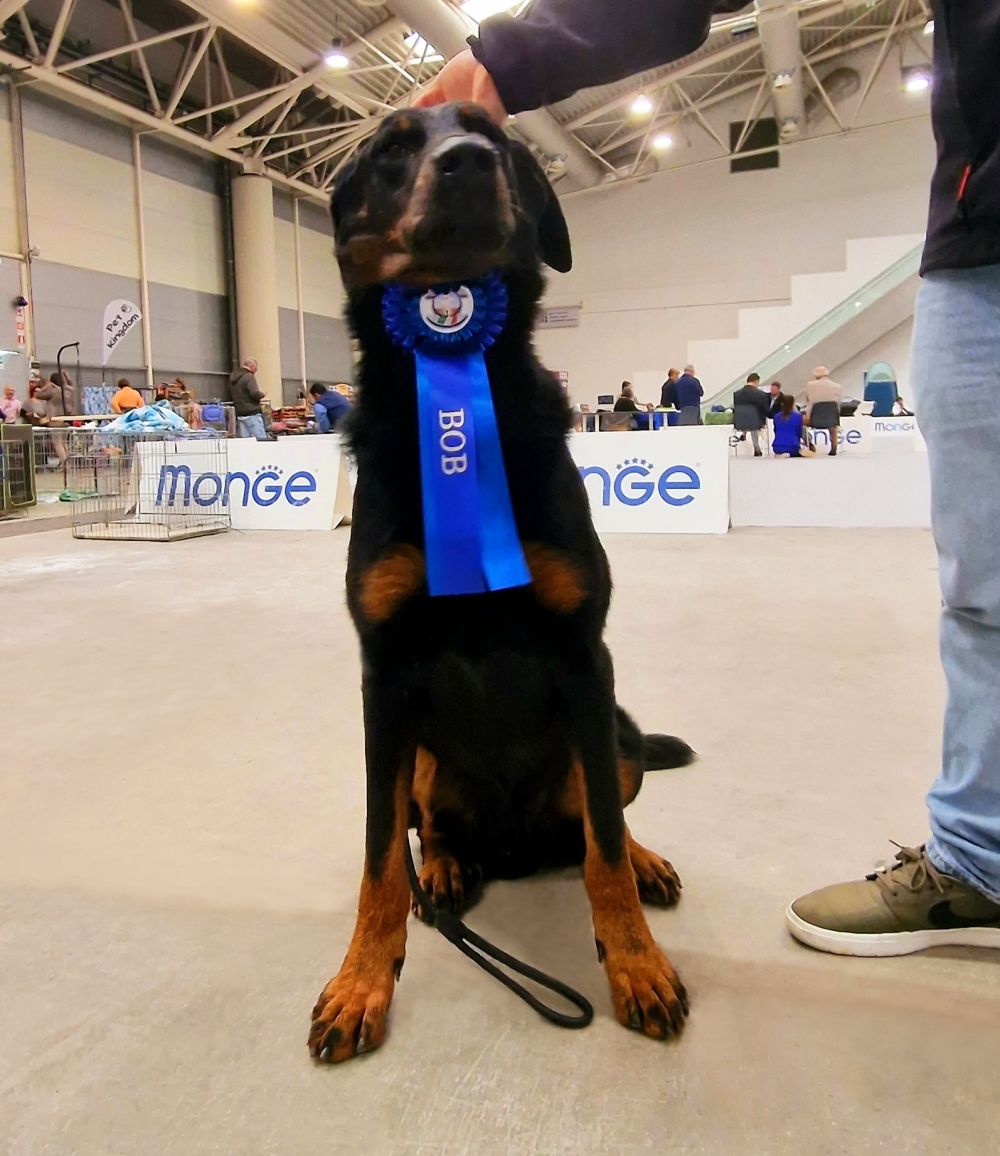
668, 393
689, 394
753, 396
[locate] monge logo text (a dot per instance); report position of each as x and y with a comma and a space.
208, 488
636, 482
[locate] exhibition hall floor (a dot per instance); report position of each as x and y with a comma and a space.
181, 827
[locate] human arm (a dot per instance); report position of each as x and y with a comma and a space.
559, 46
322, 417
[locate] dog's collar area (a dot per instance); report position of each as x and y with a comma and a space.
458, 317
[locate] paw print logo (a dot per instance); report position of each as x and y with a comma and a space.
269, 469
630, 462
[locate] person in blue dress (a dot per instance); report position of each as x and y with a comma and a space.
787, 429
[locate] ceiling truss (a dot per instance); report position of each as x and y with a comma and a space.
264, 99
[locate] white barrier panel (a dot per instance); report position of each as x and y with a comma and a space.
290, 484
855, 436
673, 481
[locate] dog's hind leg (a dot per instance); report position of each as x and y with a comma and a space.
449, 882
350, 1014
645, 989
657, 881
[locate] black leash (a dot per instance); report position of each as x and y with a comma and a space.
477, 948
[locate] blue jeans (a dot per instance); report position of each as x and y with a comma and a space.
252, 427
956, 375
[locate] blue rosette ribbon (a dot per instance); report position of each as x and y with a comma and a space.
470, 538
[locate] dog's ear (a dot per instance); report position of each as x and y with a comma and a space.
345, 193
539, 201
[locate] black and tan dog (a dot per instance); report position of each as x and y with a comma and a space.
490, 719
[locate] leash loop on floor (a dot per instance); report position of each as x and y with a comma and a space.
478, 949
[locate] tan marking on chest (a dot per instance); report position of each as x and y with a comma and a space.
390, 581
557, 580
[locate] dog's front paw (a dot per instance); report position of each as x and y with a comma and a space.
446, 882
350, 1015
657, 881
647, 994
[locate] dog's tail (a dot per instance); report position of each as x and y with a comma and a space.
664, 752
652, 752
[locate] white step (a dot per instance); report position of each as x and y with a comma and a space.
763, 329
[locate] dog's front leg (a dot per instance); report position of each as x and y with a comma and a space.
647, 994
350, 1014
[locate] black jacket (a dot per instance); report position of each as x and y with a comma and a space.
750, 395
245, 394
559, 46
625, 405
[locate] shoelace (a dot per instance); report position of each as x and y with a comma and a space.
922, 875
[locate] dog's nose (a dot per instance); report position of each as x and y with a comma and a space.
464, 157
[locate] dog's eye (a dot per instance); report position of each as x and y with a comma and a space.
394, 152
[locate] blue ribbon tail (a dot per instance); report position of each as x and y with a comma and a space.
502, 557
450, 494
470, 538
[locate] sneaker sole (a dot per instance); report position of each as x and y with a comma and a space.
889, 942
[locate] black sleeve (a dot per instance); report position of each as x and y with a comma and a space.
556, 47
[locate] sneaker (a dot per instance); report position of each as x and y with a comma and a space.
905, 906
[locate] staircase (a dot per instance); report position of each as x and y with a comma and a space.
772, 337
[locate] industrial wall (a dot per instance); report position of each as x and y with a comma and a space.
83, 223
671, 259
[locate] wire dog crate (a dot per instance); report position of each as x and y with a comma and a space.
151, 487
17, 468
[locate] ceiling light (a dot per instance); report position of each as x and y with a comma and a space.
479, 10
744, 26
916, 79
782, 80
642, 106
929, 28
662, 141
857, 304
335, 58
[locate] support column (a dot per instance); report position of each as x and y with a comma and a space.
298, 299
147, 331
257, 281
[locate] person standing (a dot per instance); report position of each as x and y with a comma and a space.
947, 890
689, 393
246, 396
329, 407
755, 398
668, 393
10, 407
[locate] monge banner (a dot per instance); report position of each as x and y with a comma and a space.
290, 484
120, 317
671, 481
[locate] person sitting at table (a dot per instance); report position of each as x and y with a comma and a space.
329, 407
787, 429
751, 400
774, 391
126, 397
626, 403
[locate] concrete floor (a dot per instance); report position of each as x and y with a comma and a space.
181, 824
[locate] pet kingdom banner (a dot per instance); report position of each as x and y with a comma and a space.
120, 318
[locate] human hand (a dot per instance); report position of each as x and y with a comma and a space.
464, 78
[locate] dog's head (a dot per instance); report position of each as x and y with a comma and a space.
442, 194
